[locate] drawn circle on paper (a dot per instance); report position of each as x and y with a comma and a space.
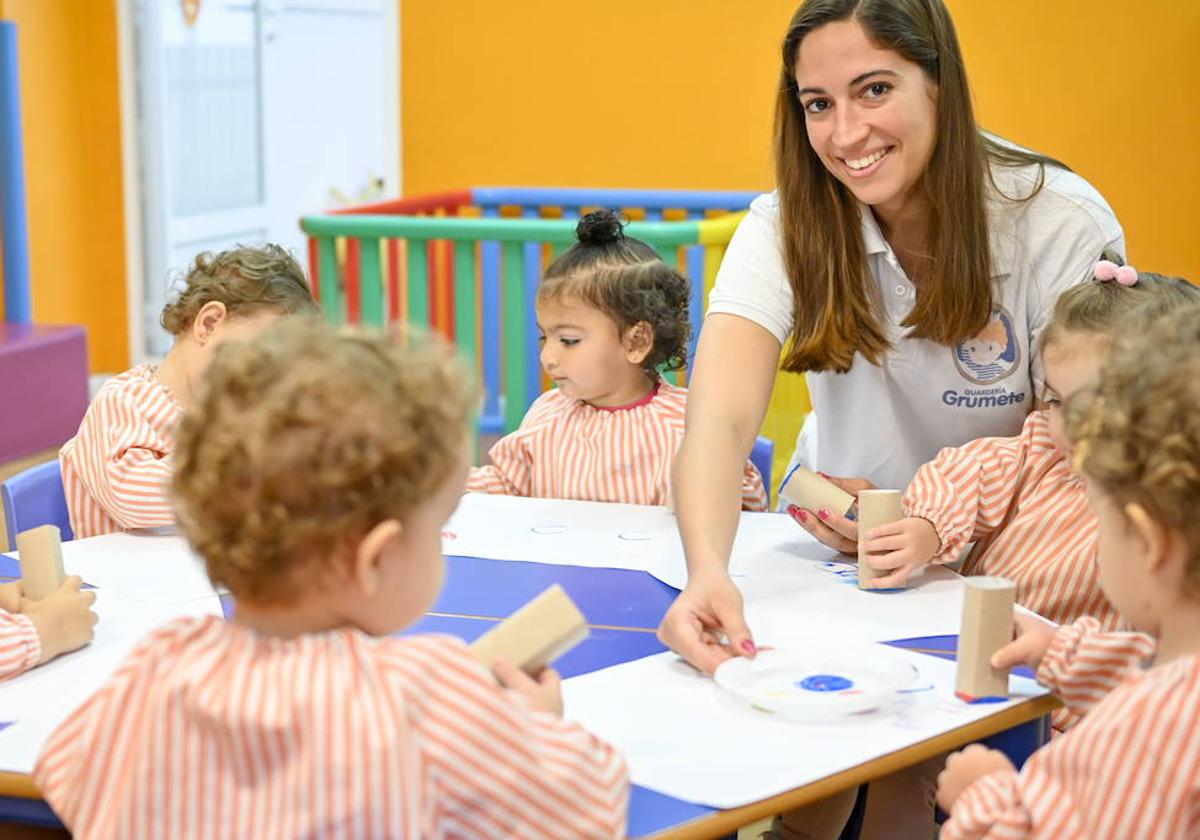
825, 682
635, 536
548, 530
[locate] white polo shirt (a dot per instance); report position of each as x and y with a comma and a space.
883, 422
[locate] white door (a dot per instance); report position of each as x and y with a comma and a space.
252, 115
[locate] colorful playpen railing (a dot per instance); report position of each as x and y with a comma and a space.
467, 264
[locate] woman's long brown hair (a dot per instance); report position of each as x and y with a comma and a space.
835, 299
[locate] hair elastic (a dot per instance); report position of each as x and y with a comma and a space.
1108, 271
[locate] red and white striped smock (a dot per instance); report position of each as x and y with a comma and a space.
567, 449
211, 730
20, 645
117, 467
1048, 547
1129, 771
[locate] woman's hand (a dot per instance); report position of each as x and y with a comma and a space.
544, 690
901, 547
1033, 636
830, 526
964, 767
705, 625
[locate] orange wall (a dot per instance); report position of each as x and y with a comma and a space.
72, 137
675, 93
678, 93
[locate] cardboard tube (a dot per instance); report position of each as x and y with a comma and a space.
987, 626
535, 635
805, 489
875, 508
41, 561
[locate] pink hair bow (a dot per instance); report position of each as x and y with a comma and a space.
1108, 271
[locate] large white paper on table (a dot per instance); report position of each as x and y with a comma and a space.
33, 704
685, 737
144, 566
765, 544
641, 537
819, 598
557, 531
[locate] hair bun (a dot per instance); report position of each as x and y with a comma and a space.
600, 227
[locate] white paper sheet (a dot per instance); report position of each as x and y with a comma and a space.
685, 737
640, 537
36, 702
765, 543
149, 567
824, 597
558, 531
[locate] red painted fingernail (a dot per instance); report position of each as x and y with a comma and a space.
824, 514
748, 647
802, 514
823, 475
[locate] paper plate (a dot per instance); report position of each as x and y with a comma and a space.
816, 684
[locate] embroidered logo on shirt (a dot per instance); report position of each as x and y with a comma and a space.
991, 355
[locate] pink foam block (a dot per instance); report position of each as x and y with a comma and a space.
43, 387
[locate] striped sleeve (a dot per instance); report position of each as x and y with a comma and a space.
1130, 769
491, 479
512, 468
501, 768
120, 459
965, 491
1084, 664
509, 472
990, 807
754, 493
20, 645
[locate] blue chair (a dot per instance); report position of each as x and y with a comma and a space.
35, 497
762, 455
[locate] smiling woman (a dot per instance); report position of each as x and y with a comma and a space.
907, 261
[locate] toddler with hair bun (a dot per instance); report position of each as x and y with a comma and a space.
610, 316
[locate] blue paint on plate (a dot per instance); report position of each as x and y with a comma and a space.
825, 682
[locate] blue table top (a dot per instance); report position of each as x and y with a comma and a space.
613, 597
496, 589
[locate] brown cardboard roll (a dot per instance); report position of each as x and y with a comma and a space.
875, 508
805, 489
41, 561
987, 626
536, 634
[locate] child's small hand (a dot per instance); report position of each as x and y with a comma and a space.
64, 618
11, 595
1033, 638
545, 692
901, 547
964, 767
